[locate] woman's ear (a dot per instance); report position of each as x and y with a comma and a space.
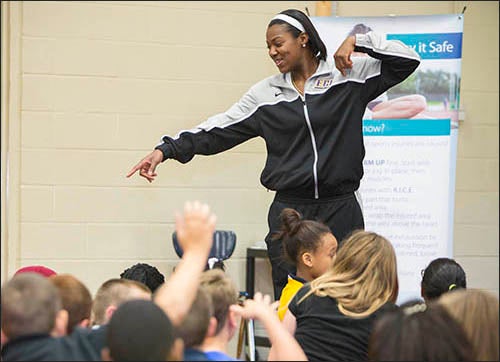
304, 39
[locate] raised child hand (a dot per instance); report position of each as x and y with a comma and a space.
195, 228
260, 307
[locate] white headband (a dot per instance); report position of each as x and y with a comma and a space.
292, 21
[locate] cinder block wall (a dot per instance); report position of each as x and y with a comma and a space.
93, 85
96, 85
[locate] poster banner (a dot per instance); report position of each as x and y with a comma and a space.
410, 136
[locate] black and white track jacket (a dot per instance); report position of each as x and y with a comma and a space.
314, 143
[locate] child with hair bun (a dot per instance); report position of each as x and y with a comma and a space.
308, 245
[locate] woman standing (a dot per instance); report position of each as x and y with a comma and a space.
310, 116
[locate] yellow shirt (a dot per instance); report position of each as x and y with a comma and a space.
292, 287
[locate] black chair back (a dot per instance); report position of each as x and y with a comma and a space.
223, 245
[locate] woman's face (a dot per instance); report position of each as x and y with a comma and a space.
285, 50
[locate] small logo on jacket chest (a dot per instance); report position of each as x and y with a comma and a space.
322, 83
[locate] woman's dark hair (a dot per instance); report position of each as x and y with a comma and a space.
146, 274
418, 332
316, 45
299, 235
440, 276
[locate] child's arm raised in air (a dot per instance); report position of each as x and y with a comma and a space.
195, 228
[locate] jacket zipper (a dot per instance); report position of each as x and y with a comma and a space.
315, 150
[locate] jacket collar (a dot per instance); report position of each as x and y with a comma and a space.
285, 80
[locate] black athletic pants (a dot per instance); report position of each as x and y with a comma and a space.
342, 214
